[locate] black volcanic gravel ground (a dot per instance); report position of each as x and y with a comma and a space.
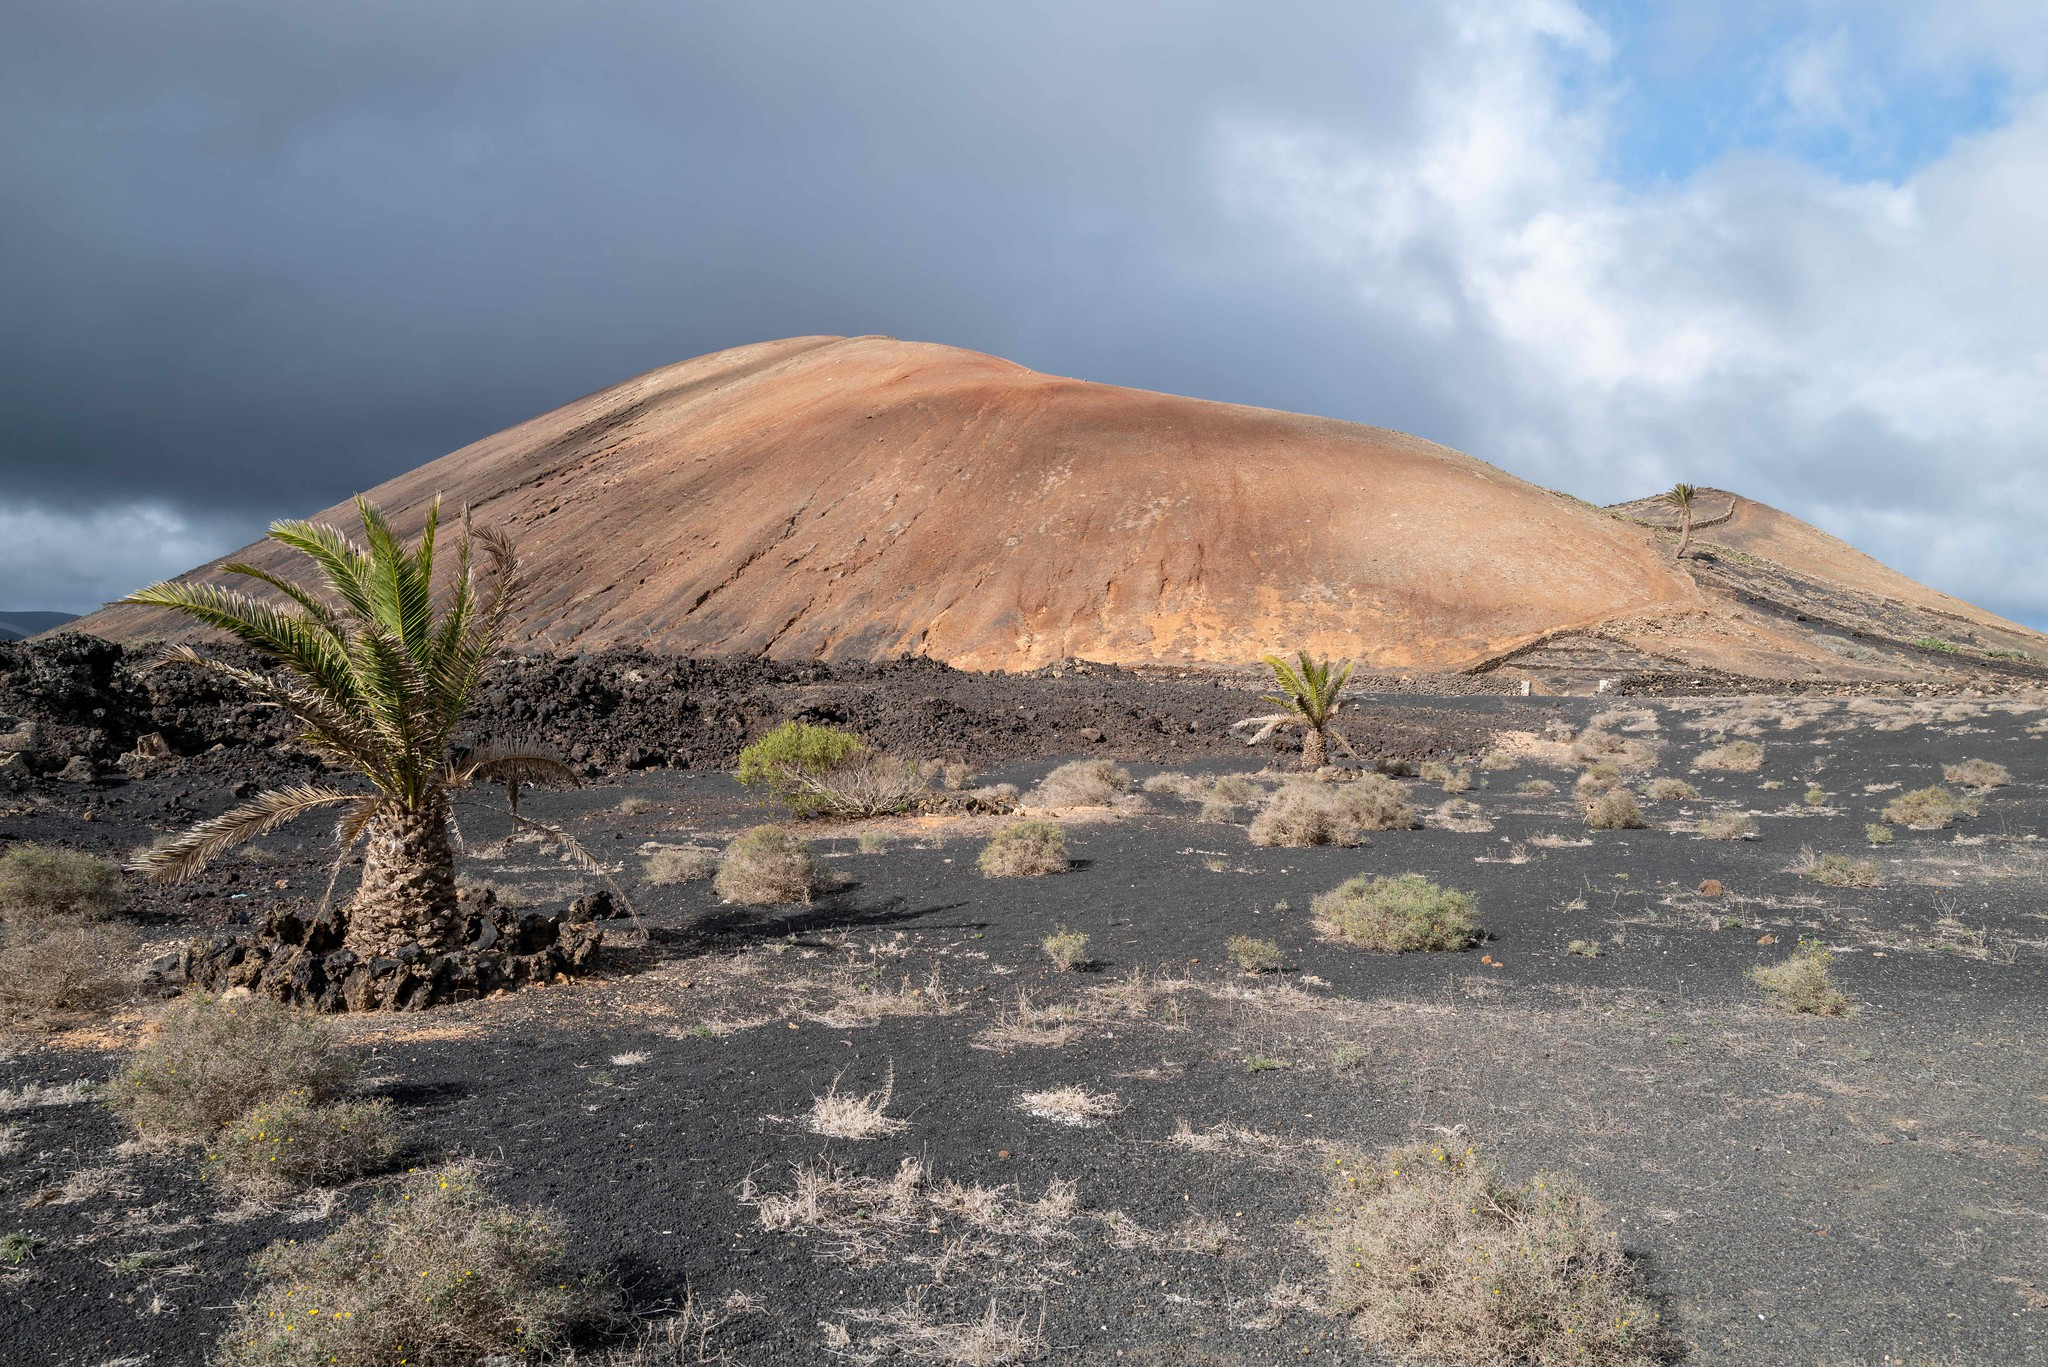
1829, 1192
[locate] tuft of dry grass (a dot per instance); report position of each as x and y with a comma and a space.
1536, 787
1068, 949
1396, 915
1434, 1254
1031, 848
768, 866
1309, 812
1075, 1106
844, 1116
1251, 954
439, 1270
1980, 774
52, 971
1838, 870
1736, 757
913, 1332
672, 864
1614, 811
1596, 746
293, 1143
1461, 815
1082, 783
1600, 778
1670, 790
1727, 826
636, 806
1930, 808
1802, 983
211, 1060
45, 882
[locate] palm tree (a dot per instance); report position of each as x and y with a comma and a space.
1680, 497
1309, 697
377, 680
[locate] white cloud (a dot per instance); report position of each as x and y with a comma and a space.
1871, 355
63, 560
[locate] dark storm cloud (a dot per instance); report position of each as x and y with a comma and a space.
267, 255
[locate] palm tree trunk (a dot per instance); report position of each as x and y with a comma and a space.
1684, 530
1315, 749
407, 894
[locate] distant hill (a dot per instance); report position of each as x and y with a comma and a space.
862, 498
16, 625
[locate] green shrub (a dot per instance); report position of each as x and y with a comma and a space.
291, 1143
1736, 757
768, 866
1584, 949
1614, 811
1029, 849
1396, 915
1877, 833
672, 864
1946, 647
43, 882
1980, 774
1816, 797
1068, 949
438, 1272
774, 764
1435, 1255
1251, 954
212, 1060
1929, 808
18, 1246
1802, 983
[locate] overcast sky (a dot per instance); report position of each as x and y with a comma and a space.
257, 256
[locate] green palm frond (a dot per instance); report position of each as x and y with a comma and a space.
1680, 495
377, 668
1309, 689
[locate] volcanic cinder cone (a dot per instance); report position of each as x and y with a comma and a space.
855, 498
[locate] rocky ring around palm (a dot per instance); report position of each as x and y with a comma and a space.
378, 680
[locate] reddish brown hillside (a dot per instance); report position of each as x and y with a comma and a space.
863, 497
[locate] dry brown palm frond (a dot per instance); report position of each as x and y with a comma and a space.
513, 768
185, 854
584, 860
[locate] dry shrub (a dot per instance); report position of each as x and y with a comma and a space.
1459, 814
1068, 949
768, 866
439, 1272
43, 882
1457, 781
1306, 812
636, 806
1081, 783
1802, 983
1595, 746
211, 1060
292, 1143
1252, 954
1176, 784
1536, 787
1736, 757
1614, 811
1838, 870
53, 972
1029, 849
1496, 761
993, 797
1980, 774
1434, 1254
842, 1115
1930, 808
1396, 915
867, 783
1601, 778
1727, 826
673, 864
1670, 790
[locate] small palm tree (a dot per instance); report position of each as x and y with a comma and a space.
1681, 497
1309, 697
377, 680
